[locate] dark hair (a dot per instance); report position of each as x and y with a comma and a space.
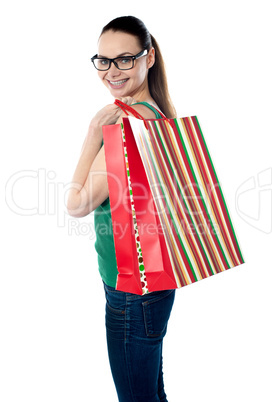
157, 80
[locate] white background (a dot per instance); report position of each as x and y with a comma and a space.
221, 64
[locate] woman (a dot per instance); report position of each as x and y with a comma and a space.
130, 65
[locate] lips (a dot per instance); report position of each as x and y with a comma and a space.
117, 84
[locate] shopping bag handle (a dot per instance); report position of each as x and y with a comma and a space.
128, 108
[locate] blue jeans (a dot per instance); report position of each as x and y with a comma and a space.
135, 328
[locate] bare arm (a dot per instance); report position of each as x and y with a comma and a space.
89, 187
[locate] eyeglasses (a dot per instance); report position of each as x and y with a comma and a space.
122, 63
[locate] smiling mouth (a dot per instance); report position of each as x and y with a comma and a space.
118, 83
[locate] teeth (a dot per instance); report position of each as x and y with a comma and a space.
118, 82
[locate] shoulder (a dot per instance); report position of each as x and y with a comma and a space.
141, 109
144, 111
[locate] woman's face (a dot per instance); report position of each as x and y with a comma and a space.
124, 82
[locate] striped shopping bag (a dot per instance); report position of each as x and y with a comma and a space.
165, 194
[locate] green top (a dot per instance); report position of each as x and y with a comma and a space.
104, 244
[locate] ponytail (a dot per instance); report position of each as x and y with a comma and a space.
157, 83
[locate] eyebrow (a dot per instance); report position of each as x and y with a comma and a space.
120, 55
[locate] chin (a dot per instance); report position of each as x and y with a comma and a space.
119, 94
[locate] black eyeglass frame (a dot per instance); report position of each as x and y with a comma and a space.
137, 56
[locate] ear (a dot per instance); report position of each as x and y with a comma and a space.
151, 57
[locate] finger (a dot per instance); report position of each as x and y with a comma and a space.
127, 100
123, 99
130, 100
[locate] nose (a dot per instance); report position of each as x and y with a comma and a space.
113, 70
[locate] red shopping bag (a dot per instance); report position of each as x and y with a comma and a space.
170, 220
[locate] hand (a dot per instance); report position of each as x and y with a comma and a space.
110, 113
128, 100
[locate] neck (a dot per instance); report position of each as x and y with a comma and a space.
142, 94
